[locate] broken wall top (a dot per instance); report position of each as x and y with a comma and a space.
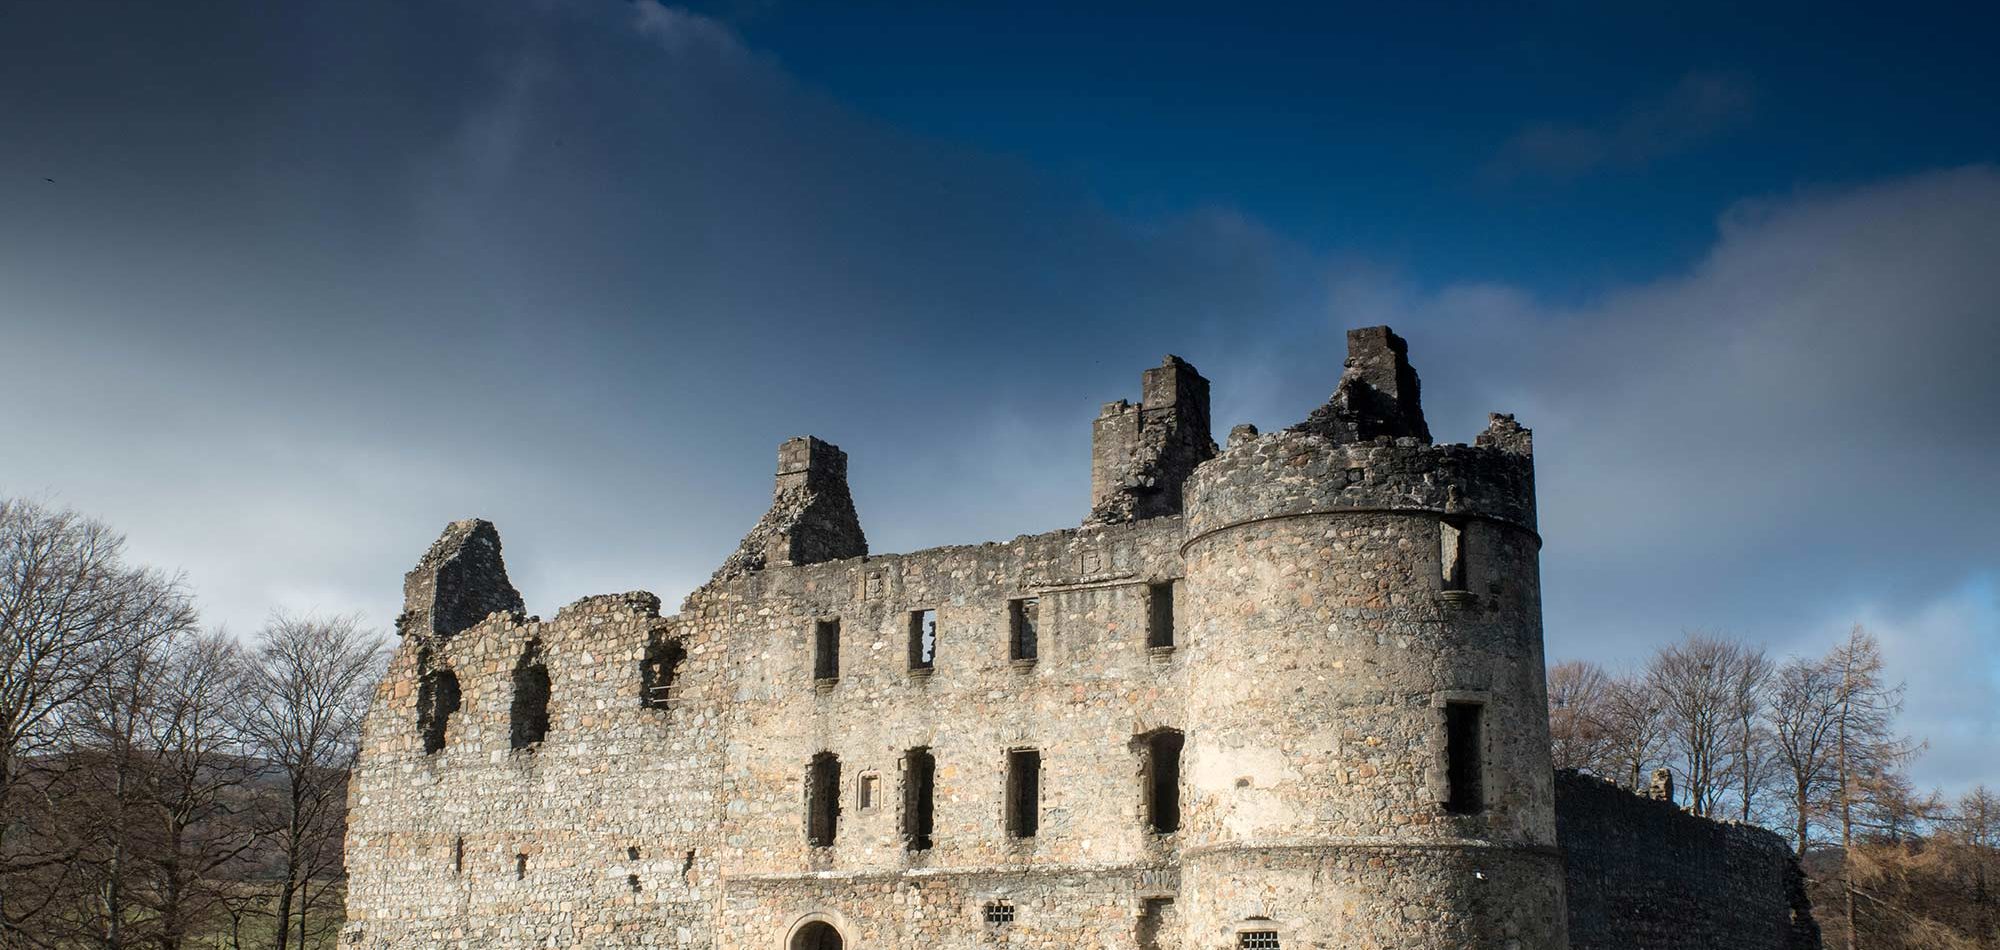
459, 582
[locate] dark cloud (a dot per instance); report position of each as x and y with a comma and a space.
312, 283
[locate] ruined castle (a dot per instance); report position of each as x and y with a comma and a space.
1282, 693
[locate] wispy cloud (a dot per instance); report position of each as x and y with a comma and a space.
1698, 107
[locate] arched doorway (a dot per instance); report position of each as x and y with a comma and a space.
817, 935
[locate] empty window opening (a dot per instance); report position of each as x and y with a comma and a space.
822, 799
632, 852
999, 912
530, 712
1163, 780
1257, 940
458, 855
437, 700
919, 789
1024, 792
1463, 767
658, 672
1160, 615
868, 791
1451, 551
1155, 918
923, 640
1023, 625
826, 650
632, 881
520, 867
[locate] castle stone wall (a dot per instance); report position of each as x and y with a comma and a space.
1645, 875
1338, 626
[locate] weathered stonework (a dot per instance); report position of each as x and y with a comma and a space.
1290, 692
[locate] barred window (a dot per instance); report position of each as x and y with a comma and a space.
1257, 940
999, 912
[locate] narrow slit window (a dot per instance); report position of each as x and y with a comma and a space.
1463, 765
919, 792
1024, 792
520, 867
529, 714
1160, 615
1024, 629
923, 640
826, 650
658, 672
1163, 781
822, 799
437, 700
458, 855
1451, 554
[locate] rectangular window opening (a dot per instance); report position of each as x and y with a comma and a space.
919, 791
999, 912
826, 650
520, 867
1451, 553
1257, 940
923, 640
657, 672
822, 799
1024, 792
1463, 767
1163, 781
1023, 624
1160, 615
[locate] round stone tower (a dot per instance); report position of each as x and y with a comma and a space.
1368, 750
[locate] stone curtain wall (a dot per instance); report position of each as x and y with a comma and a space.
1645, 875
1093, 689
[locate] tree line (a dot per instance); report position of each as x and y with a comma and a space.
163, 786
1808, 746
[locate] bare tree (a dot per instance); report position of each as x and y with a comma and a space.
1580, 737
1805, 706
71, 611
1635, 730
199, 799
1868, 752
308, 685
1749, 697
1694, 681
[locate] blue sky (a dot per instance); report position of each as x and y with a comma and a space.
284, 288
